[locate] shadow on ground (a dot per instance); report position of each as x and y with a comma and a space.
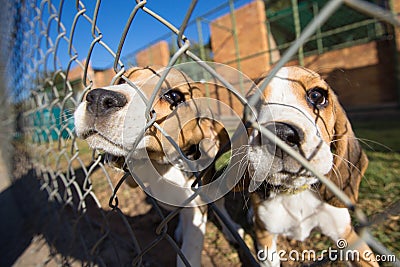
96, 236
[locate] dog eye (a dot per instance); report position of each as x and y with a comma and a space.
317, 97
174, 97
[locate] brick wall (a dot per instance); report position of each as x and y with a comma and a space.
100, 77
363, 75
157, 54
251, 35
235, 106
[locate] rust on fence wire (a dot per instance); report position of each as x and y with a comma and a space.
99, 209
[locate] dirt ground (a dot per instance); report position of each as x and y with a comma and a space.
141, 215
134, 203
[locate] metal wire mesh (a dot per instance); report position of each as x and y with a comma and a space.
76, 184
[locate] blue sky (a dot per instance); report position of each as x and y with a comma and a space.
113, 16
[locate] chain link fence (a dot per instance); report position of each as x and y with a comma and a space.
75, 202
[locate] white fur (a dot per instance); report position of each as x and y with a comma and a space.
117, 134
172, 187
271, 257
165, 182
295, 215
193, 222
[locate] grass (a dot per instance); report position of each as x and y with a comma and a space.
380, 188
379, 135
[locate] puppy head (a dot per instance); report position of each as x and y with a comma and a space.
303, 111
113, 118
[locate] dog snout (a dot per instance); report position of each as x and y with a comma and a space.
101, 101
288, 133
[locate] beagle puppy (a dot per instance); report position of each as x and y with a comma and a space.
303, 111
113, 119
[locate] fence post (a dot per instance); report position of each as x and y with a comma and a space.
297, 27
200, 35
269, 33
234, 33
236, 41
320, 43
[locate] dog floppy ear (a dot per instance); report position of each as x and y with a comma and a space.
349, 160
201, 133
210, 126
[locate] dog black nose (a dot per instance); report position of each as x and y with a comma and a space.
101, 101
288, 133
